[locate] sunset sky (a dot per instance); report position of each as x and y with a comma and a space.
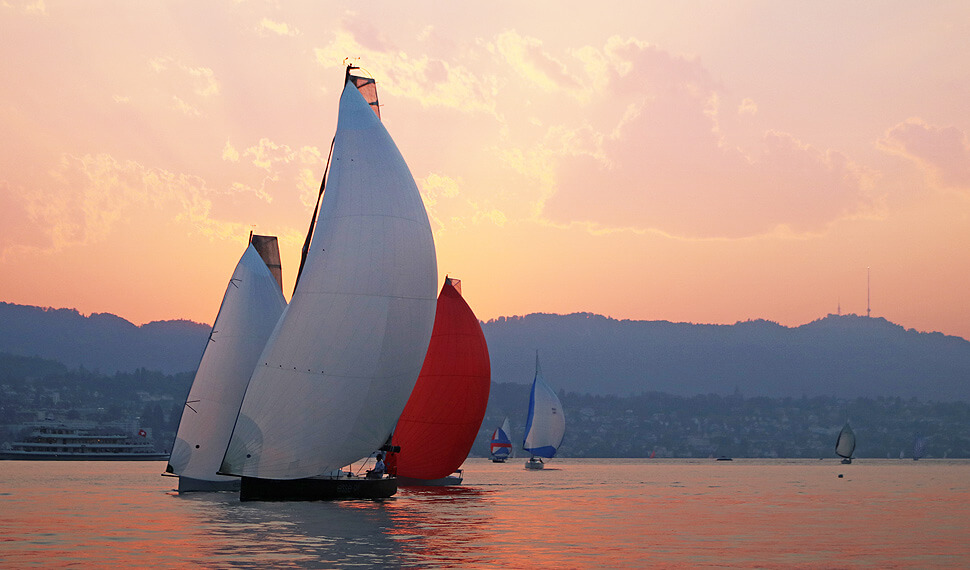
706, 162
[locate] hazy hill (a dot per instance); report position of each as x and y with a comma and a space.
843, 356
101, 341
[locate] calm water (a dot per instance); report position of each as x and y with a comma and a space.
577, 513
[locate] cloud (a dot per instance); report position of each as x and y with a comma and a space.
278, 28
527, 56
448, 209
18, 222
29, 7
190, 87
748, 107
658, 160
279, 162
942, 151
430, 81
87, 197
229, 152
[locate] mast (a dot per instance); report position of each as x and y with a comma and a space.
368, 88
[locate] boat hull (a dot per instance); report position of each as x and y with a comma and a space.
534, 465
41, 456
316, 488
449, 481
191, 484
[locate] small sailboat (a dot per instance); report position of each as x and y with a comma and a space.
250, 308
340, 365
444, 413
546, 423
500, 446
845, 443
919, 447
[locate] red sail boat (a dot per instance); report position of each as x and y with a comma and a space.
441, 420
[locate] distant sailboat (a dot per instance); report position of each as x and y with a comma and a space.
250, 309
444, 413
919, 447
500, 447
546, 424
845, 443
344, 358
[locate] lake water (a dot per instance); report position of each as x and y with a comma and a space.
577, 513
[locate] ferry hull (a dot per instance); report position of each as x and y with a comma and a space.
39, 456
316, 489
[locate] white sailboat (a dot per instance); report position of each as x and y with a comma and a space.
250, 308
845, 443
546, 423
340, 366
919, 447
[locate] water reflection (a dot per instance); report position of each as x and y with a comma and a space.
418, 525
607, 513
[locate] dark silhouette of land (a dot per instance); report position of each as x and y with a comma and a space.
629, 388
842, 356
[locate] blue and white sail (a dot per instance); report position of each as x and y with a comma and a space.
500, 446
546, 424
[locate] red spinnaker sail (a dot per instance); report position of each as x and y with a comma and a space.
441, 419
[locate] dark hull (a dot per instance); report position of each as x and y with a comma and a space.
188, 484
316, 489
29, 456
449, 481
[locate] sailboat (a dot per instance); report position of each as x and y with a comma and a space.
919, 447
546, 423
251, 306
500, 446
845, 443
444, 413
339, 367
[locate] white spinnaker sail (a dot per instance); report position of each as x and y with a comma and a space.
845, 444
346, 354
250, 309
546, 424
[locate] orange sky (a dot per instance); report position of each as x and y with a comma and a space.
706, 162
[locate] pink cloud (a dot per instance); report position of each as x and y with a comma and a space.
944, 151
18, 226
665, 165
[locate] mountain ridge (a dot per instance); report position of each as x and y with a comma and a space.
842, 355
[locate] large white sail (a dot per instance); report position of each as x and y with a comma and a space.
546, 423
343, 359
250, 309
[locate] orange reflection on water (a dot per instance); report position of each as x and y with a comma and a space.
62, 513
576, 513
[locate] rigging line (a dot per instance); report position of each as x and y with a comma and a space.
313, 219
